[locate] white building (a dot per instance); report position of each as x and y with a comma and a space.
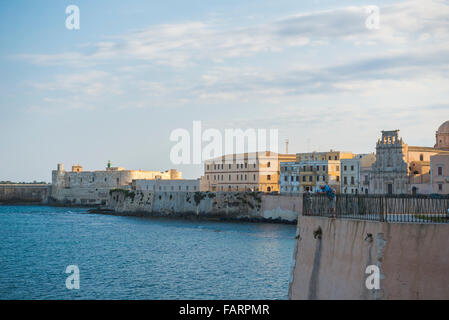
289, 178
185, 185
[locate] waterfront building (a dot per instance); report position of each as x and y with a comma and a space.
439, 167
366, 163
256, 171
354, 173
161, 185
289, 182
92, 187
318, 168
400, 168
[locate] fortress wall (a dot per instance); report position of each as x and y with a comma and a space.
24, 193
413, 260
287, 207
232, 205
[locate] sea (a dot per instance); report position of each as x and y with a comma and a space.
68, 253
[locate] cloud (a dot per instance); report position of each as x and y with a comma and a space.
89, 83
189, 43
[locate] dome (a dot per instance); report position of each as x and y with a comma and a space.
444, 128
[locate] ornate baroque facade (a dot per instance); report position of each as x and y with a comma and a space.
400, 168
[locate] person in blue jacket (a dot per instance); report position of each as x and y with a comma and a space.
330, 193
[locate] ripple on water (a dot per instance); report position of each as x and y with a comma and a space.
135, 258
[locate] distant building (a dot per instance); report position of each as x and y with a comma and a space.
158, 185
257, 171
318, 168
400, 168
289, 181
354, 173
366, 163
92, 187
440, 173
442, 137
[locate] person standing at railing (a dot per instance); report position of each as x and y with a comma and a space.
330, 193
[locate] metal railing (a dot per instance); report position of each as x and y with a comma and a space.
388, 208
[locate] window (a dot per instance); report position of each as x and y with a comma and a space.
345, 180
338, 178
440, 187
344, 168
207, 167
310, 178
352, 180
440, 171
269, 177
229, 166
324, 168
215, 167
285, 178
229, 178
297, 178
352, 168
207, 177
330, 158
254, 177
292, 178
421, 157
246, 177
336, 158
268, 164
304, 178
246, 165
187, 187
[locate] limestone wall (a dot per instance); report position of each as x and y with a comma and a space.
208, 205
24, 193
413, 260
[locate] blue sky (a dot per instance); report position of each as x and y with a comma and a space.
136, 70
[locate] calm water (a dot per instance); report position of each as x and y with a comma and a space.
136, 258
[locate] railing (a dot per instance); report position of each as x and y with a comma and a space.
388, 208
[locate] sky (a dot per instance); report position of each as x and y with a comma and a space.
137, 70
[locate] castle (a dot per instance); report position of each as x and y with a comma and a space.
92, 187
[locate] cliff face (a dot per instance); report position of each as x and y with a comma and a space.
208, 205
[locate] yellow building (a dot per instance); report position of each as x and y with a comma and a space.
318, 168
257, 171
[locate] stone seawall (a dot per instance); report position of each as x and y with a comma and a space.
249, 206
332, 255
24, 193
